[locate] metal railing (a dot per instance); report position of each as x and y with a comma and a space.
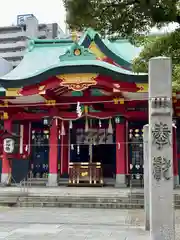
25, 184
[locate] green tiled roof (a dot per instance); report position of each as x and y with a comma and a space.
38, 59
124, 49
121, 51
57, 57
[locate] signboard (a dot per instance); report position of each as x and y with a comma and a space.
22, 18
93, 136
8, 145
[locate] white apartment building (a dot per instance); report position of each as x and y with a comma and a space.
14, 39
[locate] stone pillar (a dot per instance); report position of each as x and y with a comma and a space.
53, 155
175, 158
120, 152
161, 150
146, 176
64, 154
146, 171
6, 163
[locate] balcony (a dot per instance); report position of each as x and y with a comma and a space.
12, 54
13, 45
14, 35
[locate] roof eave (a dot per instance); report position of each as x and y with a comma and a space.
70, 69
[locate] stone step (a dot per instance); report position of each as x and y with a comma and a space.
35, 182
43, 182
118, 205
80, 205
63, 182
79, 199
94, 202
37, 179
136, 195
10, 199
129, 201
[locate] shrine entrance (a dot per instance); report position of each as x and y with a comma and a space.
92, 150
136, 153
106, 153
39, 164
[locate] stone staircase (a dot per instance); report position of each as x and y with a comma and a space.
129, 201
36, 181
132, 201
40, 182
110, 182
81, 202
63, 181
10, 199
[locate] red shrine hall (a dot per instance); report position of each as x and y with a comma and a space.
72, 112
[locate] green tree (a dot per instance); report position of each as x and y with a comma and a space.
166, 45
125, 17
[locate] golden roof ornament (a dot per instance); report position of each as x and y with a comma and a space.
74, 36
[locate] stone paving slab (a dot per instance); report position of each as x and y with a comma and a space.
65, 232
74, 224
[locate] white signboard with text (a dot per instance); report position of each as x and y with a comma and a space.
8, 145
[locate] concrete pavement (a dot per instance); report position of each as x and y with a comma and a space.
74, 224
83, 224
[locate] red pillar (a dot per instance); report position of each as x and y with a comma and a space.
53, 154
120, 151
175, 158
6, 164
64, 152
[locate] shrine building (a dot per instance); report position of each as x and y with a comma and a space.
76, 112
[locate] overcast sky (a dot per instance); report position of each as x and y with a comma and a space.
46, 11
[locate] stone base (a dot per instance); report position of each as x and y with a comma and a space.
120, 181
176, 181
6, 179
52, 180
